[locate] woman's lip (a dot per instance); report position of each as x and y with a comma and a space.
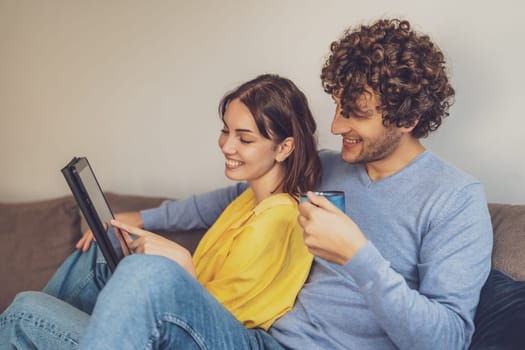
232, 163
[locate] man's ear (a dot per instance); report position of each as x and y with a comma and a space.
284, 149
408, 129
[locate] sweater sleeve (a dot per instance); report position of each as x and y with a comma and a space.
197, 212
454, 262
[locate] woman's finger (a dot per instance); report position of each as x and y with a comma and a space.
137, 246
130, 229
123, 239
85, 241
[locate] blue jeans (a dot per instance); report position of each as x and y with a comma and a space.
57, 317
150, 302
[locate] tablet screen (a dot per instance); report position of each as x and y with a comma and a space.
100, 205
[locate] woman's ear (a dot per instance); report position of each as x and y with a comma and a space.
284, 149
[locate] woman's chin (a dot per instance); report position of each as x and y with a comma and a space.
232, 176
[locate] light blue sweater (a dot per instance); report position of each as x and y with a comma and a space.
416, 282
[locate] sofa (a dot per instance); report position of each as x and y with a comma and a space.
37, 236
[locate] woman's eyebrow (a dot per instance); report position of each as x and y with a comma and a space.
244, 130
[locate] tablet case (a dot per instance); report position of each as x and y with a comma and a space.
71, 173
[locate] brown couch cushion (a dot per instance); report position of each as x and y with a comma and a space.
36, 237
508, 222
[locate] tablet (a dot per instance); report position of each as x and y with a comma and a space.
95, 208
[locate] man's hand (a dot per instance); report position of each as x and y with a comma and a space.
328, 232
152, 243
132, 218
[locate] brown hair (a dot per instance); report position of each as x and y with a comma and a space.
405, 69
281, 110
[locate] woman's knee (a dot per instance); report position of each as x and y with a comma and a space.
38, 318
26, 307
147, 267
145, 274
42, 304
30, 302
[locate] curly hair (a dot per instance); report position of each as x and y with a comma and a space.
405, 69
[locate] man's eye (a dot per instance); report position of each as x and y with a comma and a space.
359, 115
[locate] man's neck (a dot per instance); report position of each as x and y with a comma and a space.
408, 149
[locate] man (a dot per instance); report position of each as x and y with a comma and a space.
402, 269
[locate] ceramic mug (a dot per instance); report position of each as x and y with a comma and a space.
336, 197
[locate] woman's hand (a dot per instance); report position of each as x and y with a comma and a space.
85, 241
152, 243
132, 218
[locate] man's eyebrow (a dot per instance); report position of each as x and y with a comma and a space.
364, 113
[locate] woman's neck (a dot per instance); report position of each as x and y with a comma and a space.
269, 184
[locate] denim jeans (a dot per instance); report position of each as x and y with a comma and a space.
150, 302
57, 317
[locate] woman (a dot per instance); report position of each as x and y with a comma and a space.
252, 260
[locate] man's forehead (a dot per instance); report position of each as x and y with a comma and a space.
368, 99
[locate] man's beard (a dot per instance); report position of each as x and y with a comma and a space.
378, 148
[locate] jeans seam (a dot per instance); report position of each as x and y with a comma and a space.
40, 323
82, 284
180, 322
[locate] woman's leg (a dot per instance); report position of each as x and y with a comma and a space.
152, 303
36, 320
56, 318
79, 280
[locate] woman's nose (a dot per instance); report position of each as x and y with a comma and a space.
227, 144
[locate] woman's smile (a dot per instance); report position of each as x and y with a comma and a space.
232, 164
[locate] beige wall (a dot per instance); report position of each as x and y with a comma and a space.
134, 85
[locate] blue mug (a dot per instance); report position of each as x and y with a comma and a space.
336, 197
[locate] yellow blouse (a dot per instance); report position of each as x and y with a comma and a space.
253, 259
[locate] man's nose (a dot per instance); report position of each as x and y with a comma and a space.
340, 124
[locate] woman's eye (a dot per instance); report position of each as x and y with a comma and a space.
245, 141
224, 131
